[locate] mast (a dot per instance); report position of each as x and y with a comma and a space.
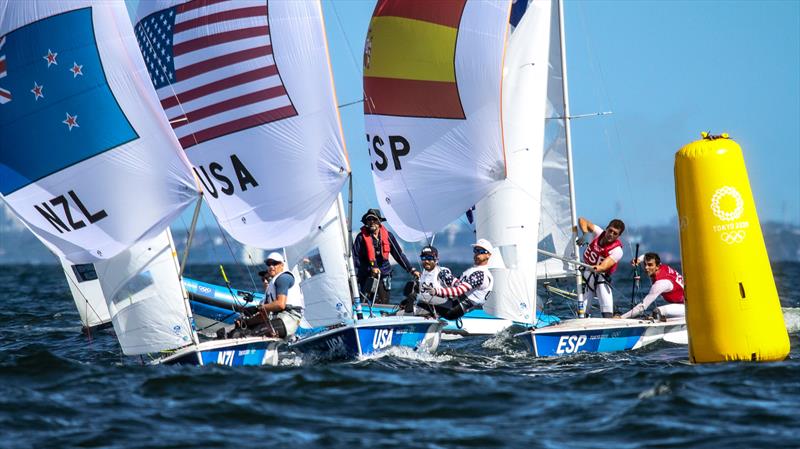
347, 232
568, 141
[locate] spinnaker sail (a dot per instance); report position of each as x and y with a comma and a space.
432, 80
87, 160
247, 87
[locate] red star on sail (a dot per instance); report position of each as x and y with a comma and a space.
37, 91
71, 121
50, 58
76, 69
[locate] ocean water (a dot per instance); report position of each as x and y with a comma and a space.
59, 388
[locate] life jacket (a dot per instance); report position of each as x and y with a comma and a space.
383, 235
294, 297
478, 295
595, 254
674, 296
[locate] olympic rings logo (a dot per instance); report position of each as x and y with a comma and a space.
724, 215
733, 237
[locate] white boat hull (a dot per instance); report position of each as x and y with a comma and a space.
249, 351
601, 335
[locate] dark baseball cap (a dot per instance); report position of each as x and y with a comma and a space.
429, 251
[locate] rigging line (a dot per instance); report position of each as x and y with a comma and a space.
595, 65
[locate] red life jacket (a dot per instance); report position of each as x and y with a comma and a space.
674, 296
383, 237
594, 253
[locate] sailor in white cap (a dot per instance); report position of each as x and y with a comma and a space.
282, 302
471, 289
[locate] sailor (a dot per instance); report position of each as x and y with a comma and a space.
283, 303
433, 276
470, 290
667, 283
603, 253
371, 249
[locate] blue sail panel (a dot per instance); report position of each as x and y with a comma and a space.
60, 109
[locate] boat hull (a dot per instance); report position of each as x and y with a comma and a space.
475, 323
600, 335
250, 351
370, 336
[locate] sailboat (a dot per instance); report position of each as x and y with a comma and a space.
90, 169
247, 88
481, 118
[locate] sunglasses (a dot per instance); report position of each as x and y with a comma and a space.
479, 250
427, 258
272, 263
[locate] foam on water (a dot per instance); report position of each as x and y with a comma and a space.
791, 316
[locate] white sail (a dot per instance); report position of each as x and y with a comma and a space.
86, 292
319, 259
145, 297
248, 89
87, 159
555, 229
509, 216
432, 78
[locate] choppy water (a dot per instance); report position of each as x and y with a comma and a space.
60, 389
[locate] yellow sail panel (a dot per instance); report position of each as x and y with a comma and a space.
411, 49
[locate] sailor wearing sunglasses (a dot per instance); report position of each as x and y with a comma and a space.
470, 290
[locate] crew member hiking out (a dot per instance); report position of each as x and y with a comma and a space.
667, 283
469, 291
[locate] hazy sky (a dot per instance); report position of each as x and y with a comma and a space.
667, 70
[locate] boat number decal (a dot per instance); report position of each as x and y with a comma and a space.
335, 344
382, 338
570, 344
225, 358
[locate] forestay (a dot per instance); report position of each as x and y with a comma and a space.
509, 216
248, 90
145, 298
432, 80
320, 262
88, 161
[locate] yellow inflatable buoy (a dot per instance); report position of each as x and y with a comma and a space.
732, 306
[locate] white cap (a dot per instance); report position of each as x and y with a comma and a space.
485, 244
276, 256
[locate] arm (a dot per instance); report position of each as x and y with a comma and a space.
585, 225
461, 287
446, 277
662, 286
282, 286
358, 243
614, 257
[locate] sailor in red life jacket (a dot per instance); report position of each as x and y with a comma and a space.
470, 290
371, 249
667, 283
603, 253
